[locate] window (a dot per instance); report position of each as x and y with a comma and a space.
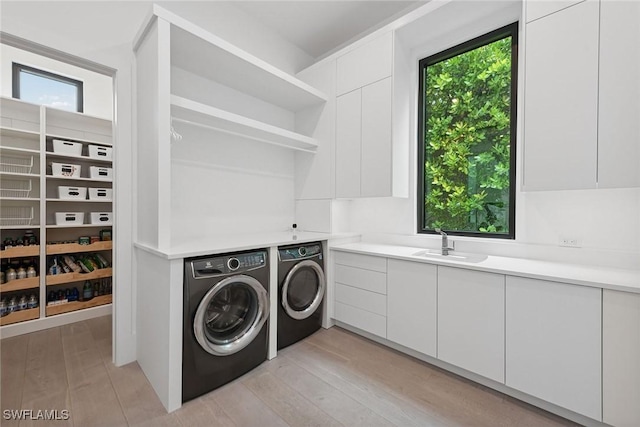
45, 88
467, 134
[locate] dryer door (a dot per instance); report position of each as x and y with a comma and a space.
230, 315
303, 290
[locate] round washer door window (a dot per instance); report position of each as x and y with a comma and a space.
230, 315
303, 290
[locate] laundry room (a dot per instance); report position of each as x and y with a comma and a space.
320, 212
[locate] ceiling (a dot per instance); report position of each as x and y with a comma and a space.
319, 27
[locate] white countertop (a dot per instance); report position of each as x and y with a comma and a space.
224, 243
601, 277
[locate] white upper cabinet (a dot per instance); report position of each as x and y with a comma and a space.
412, 289
376, 157
471, 321
620, 358
553, 343
619, 96
365, 64
348, 144
561, 100
538, 8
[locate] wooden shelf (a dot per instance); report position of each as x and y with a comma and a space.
19, 150
78, 201
27, 175
78, 305
20, 316
20, 133
68, 178
192, 112
23, 251
71, 248
60, 279
78, 226
20, 284
21, 199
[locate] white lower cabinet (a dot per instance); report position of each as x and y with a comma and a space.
360, 292
412, 290
621, 358
471, 321
553, 343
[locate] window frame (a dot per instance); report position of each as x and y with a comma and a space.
485, 39
15, 84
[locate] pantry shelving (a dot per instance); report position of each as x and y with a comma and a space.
27, 182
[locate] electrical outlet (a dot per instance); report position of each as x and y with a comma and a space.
570, 242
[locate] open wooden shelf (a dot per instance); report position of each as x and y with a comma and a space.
59, 279
192, 112
23, 251
20, 316
20, 284
71, 248
78, 305
51, 154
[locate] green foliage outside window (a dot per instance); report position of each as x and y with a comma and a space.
467, 140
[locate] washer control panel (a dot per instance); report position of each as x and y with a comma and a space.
309, 250
228, 264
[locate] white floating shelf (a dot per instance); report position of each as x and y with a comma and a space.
51, 154
77, 200
186, 110
69, 178
19, 133
204, 54
78, 225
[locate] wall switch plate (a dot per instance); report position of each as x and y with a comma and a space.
570, 242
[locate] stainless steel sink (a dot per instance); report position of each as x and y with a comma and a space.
453, 256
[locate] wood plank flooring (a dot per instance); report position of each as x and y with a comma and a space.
333, 378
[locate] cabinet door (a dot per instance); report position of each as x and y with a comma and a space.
348, 137
536, 9
471, 321
553, 343
619, 108
411, 305
621, 358
366, 64
561, 100
376, 157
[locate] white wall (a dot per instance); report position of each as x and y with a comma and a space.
97, 88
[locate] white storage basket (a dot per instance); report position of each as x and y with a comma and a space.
16, 215
104, 218
69, 218
67, 147
100, 194
19, 188
16, 164
66, 170
97, 172
100, 152
72, 193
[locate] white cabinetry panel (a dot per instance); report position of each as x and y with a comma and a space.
561, 100
367, 262
365, 64
471, 321
619, 96
538, 8
412, 305
621, 358
553, 343
376, 158
365, 300
348, 144
361, 319
368, 280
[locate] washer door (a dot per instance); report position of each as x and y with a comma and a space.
303, 290
230, 315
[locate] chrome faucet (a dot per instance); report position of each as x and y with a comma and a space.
445, 243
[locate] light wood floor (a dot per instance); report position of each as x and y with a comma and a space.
333, 378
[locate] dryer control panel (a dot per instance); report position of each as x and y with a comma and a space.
300, 252
228, 264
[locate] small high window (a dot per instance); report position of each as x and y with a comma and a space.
467, 134
45, 88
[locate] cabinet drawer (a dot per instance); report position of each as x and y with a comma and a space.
365, 300
361, 319
361, 261
368, 280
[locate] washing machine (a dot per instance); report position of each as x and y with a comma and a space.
226, 306
301, 289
